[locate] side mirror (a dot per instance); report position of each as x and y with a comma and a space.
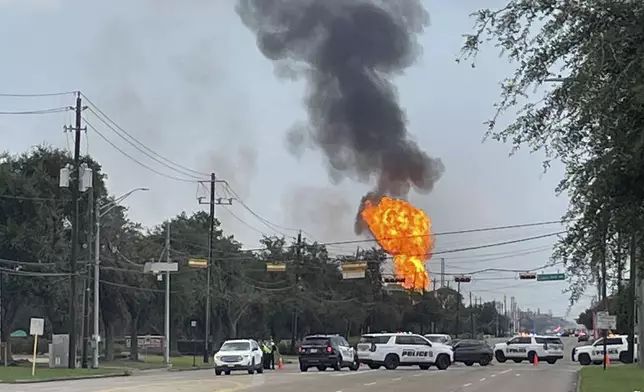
255, 348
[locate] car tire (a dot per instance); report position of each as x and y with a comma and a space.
551, 361
322, 368
217, 372
500, 357
625, 357
337, 366
260, 369
442, 362
374, 367
584, 359
303, 368
227, 372
424, 367
468, 363
251, 368
355, 365
485, 360
518, 360
392, 361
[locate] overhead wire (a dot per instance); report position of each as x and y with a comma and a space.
37, 111
108, 141
35, 95
139, 145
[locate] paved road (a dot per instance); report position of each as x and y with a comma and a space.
507, 377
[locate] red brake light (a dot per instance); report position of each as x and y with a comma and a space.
329, 349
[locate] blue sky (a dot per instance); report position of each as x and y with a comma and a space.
188, 81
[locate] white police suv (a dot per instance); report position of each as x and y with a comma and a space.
392, 350
526, 347
616, 349
242, 354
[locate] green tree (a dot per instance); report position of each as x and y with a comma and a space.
591, 121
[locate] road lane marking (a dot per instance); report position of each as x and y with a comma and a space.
493, 375
396, 379
483, 379
506, 371
467, 385
418, 375
369, 383
231, 387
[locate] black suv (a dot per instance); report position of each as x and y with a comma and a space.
323, 351
472, 351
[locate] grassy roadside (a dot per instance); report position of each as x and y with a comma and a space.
23, 372
615, 378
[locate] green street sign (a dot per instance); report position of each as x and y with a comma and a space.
549, 277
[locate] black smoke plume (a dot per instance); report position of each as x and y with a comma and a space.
349, 51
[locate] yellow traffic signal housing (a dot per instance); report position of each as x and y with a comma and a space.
275, 267
198, 263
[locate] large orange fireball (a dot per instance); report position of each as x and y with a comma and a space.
404, 232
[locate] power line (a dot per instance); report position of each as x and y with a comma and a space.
150, 153
38, 94
38, 111
90, 126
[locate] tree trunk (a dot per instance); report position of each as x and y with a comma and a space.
109, 341
134, 338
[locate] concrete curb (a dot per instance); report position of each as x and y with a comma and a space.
188, 369
70, 378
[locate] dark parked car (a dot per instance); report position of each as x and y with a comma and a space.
583, 338
473, 351
327, 351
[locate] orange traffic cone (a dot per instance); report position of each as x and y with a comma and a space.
535, 360
606, 359
280, 365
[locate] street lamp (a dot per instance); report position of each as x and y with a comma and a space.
100, 212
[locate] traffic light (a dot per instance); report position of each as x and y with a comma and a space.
462, 279
528, 276
393, 280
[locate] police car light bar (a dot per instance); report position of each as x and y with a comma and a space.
528, 276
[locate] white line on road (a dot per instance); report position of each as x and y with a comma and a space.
369, 383
467, 385
518, 374
506, 371
418, 374
493, 375
483, 379
396, 379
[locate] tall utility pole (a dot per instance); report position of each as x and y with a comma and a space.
442, 272
505, 313
459, 280
75, 212
212, 202
632, 294
298, 262
5, 346
472, 314
166, 335
640, 321
88, 277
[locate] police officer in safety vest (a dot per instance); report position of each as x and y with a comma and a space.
266, 350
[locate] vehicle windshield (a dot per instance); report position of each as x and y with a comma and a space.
316, 341
235, 346
437, 338
374, 339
